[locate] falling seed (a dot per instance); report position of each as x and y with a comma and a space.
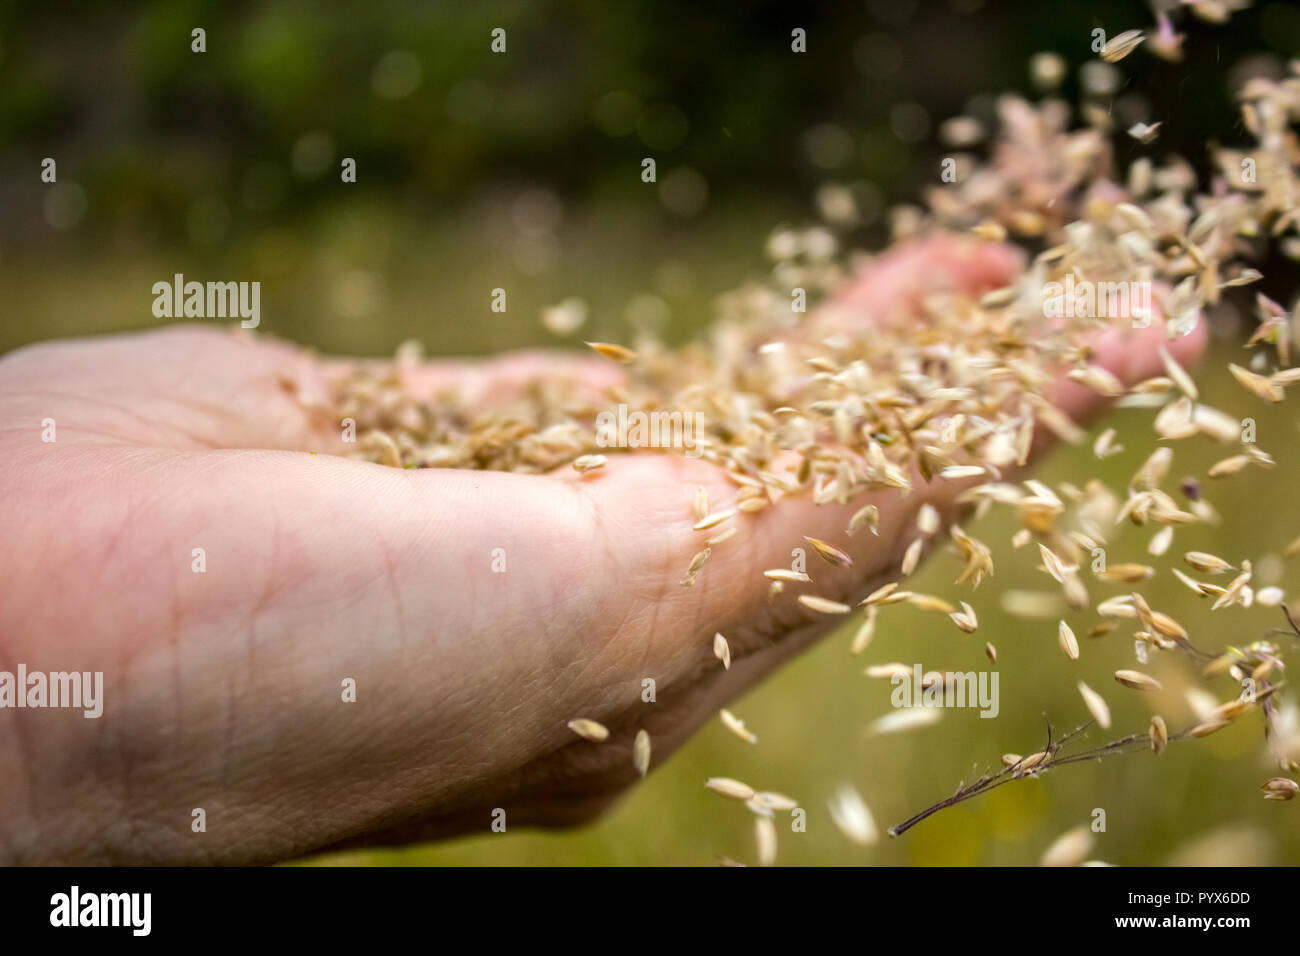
1144, 133
1161, 541
1069, 644
866, 630
730, 788
965, 619
1179, 375
736, 726
783, 574
776, 801
1207, 563
866, 516
905, 718
851, 814
881, 593
1057, 568
830, 553
1096, 705
911, 557
1137, 680
1228, 466
1280, 788
823, 605
1127, 572
641, 752
765, 838
991, 652
589, 730
1069, 849
1121, 45
722, 651
1258, 385
1159, 734
928, 519
615, 352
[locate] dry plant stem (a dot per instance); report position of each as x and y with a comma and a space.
1013, 772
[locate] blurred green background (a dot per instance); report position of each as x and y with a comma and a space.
521, 170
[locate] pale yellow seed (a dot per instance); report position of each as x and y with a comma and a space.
1069, 644
641, 752
1096, 705
783, 574
1069, 849
765, 838
1137, 680
1121, 45
722, 651
830, 553
1159, 734
823, 605
866, 516
715, 519
730, 788
911, 557
586, 463
589, 729
736, 726
1207, 563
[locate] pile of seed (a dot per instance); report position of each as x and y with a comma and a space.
957, 397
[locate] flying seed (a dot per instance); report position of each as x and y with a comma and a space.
1121, 45
1096, 705
784, 574
866, 516
730, 788
830, 553
1070, 848
589, 730
851, 814
1137, 680
911, 557
1069, 644
615, 352
641, 752
823, 605
722, 651
736, 726
1280, 788
765, 838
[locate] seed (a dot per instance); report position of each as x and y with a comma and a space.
616, 352
720, 537
1258, 385
1137, 680
1207, 563
928, 519
1144, 133
765, 837
823, 605
881, 593
730, 788
912, 557
905, 718
1057, 568
1099, 380
1126, 572
776, 801
1069, 645
736, 726
1034, 762
715, 519
1105, 445
990, 231
1096, 705
586, 463
722, 651
1228, 466
1205, 728
589, 730
1159, 734
928, 602
851, 814
866, 516
782, 574
1280, 788
1179, 375
1070, 848
866, 630
641, 752
1270, 597
701, 504
965, 618
1121, 45
1161, 541
991, 652
697, 562
830, 553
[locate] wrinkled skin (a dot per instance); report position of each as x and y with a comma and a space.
223, 688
